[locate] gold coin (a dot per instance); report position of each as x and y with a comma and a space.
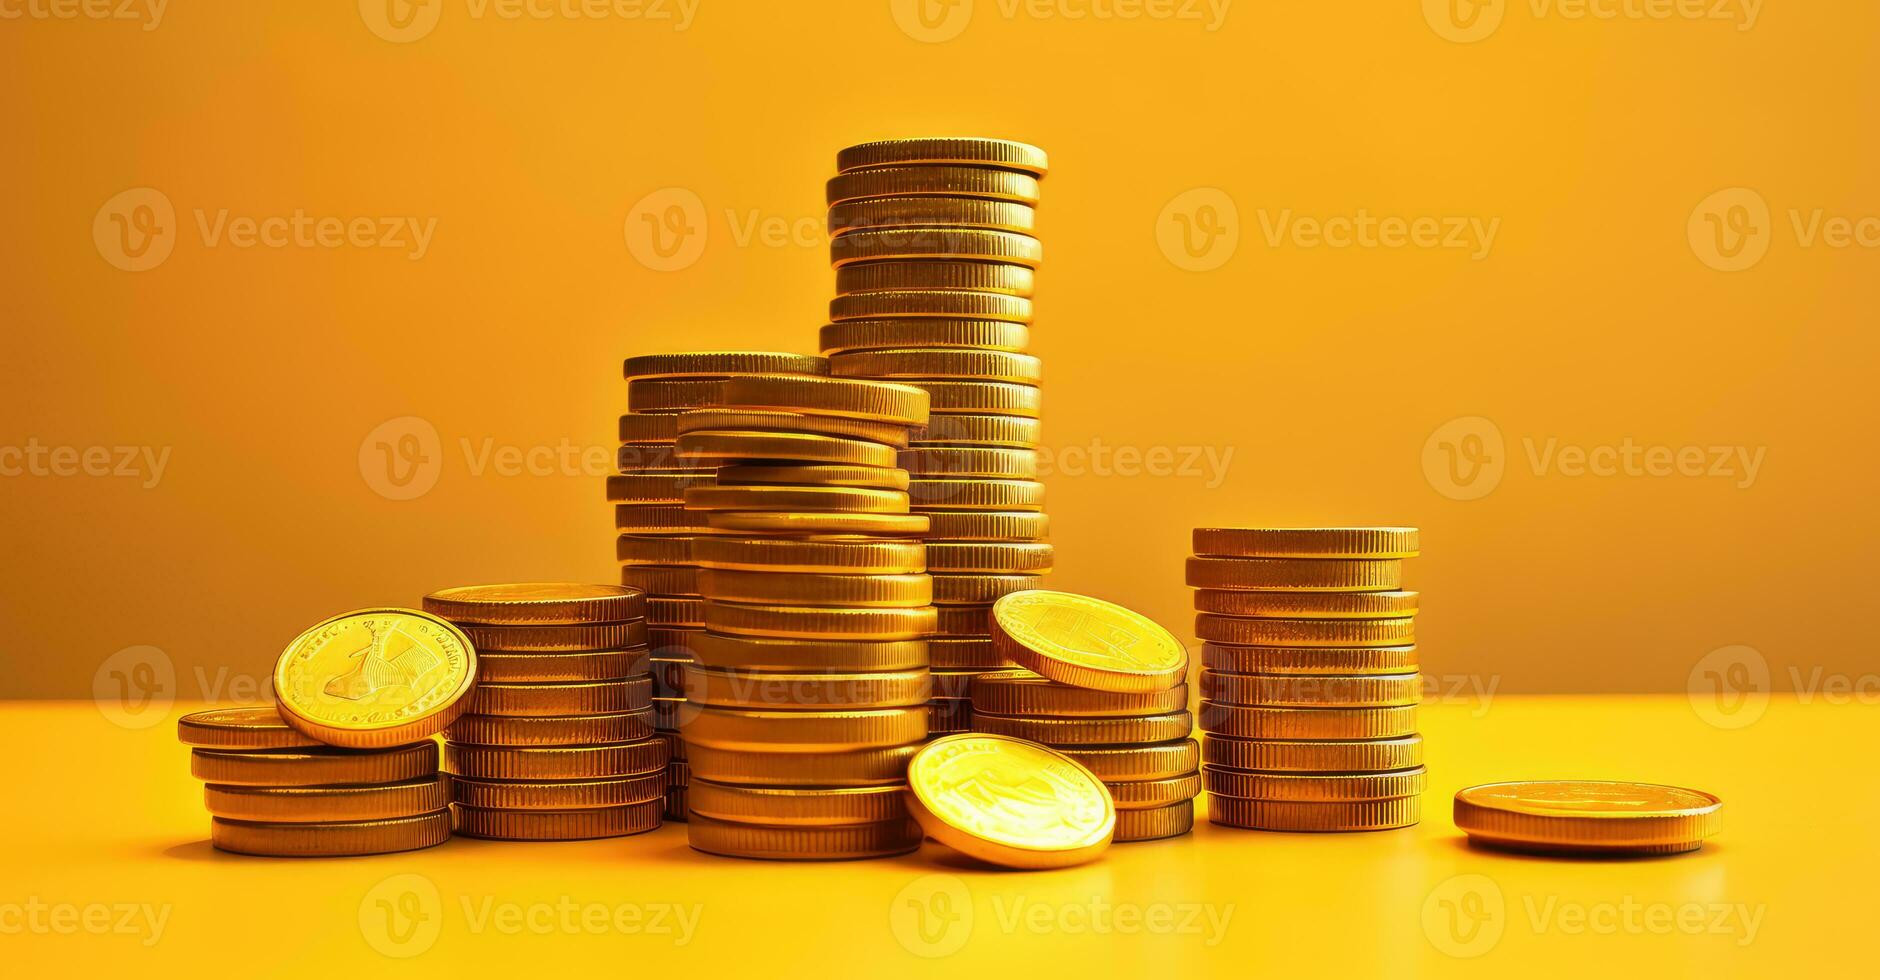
926, 212
656, 395
375, 677
957, 590
852, 335
678, 772
964, 525
579, 794
542, 668
1315, 787
1140, 730
550, 731
590, 824
240, 729
747, 689
1308, 690
1165, 760
1230, 811
998, 185
1309, 660
1282, 755
864, 477
327, 804
654, 457
1009, 802
876, 401
810, 589
1021, 692
1588, 816
792, 446
941, 363
559, 638
965, 653
536, 603
555, 762
1306, 605
1020, 495
722, 364
978, 430
1087, 642
970, 462
669, 611
797, 807
654, 488
981, 398
669, 678
972, 151
833, 557
787, 498
1306, 632
975, 620
675, 642
330, 839
653, 549
805, 731
739, 420
990, 557
978, 244
949, 716
1155, 823
954, 684
865, 767
1307, 724
1149, 794
649, 428
934, 274
314, 767
1307, 542
793, 523
669, 713
656, 519
950, 304
862, 840
547, 700
670, 580
805, 656
1296, 574
675, 805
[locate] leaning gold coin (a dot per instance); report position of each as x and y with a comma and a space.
375, 677
1086, 642
1588, 816
537, 603
876, 401
240, 729
1009, 802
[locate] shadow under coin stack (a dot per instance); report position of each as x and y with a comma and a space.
272, 791
1309, 683
1118, 704
934, 250
810, 692
654, 543
558, 743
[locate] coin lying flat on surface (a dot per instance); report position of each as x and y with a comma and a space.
252, 727
536, 603
375, 677
1588, 816
1009, 802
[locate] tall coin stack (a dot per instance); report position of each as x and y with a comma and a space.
1309, 683
558, 743
654, 542
934, 249
810, 691
276, 792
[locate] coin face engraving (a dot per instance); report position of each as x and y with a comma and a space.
374, 668
1013, 792
1589, 798
1088, 632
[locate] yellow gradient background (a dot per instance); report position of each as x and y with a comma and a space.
1597, 316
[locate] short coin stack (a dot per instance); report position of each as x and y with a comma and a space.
276, 792
934, 248
654, 543
1105, 687
810, 692
1309, 683
558, 743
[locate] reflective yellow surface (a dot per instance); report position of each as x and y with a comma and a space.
116, 821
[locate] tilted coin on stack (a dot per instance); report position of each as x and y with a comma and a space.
935, 251
811, 684
1104, 686
1309, 680
559, 741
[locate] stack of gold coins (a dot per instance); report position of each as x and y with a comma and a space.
810, 690
558, 743
1105, 687
276, 792
1309, 678
935, 249
654, 543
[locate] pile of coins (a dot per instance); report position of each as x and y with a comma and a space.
558, 743
1309, 680
810, 691
274, 791
655, 535
934, 251
1105, 687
